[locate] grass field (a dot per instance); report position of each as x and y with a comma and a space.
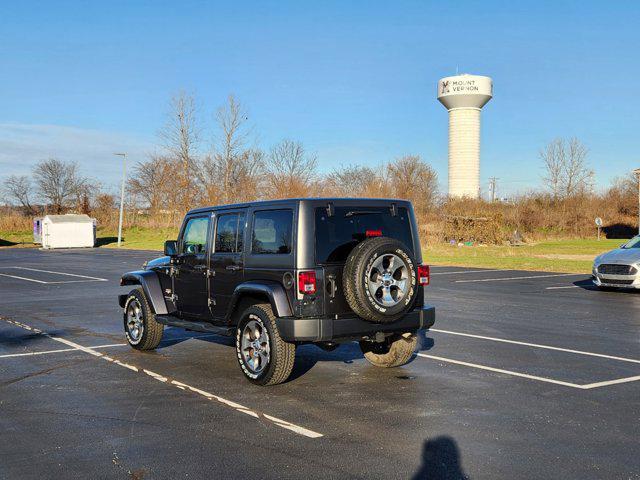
552, 256
555, 256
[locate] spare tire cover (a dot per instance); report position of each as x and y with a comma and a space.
380, 279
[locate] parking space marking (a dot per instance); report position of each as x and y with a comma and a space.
22, 278
535, 345
611, 382
565, 286
85, 278
62, 350
471, 271
520, 278
29, 354
236, 406
500, 370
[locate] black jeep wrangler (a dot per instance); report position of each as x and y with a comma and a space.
277, 274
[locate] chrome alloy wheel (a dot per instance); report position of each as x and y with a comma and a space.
388, 280
135, 321
254, 346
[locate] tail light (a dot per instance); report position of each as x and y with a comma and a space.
307, 282
423, 275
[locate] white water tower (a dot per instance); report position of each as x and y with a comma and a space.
464, 96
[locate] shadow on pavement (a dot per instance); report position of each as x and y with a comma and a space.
440, 460
306, 355
102, 241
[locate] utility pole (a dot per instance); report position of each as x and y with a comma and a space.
492, 187
637, 174
124, 176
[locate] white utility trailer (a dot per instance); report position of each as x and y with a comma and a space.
65, 231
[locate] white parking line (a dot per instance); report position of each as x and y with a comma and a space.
240, 408
611, 382
471, 271
30, 354
22, 278
520, 278
500, 370
61, 350
535, 345
588, 386
84, 277
559, 288
62, 273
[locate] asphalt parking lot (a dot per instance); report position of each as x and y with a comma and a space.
524, 375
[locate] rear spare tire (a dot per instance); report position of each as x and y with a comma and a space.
379, 279
393, 352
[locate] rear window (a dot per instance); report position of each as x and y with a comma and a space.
336, 235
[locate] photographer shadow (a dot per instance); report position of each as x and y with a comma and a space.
440, 460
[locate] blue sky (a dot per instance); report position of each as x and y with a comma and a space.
354, 81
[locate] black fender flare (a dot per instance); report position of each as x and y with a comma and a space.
150, 284
272, 290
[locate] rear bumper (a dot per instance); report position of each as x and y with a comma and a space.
344, 329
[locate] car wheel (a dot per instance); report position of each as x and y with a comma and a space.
264, 358
140, 326
395, 351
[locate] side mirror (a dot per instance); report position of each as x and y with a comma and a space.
171, 248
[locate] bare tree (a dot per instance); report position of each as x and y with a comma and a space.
153, 182
354, 181
290, 170
411, 178
231, 163
19, 188
566, 169
58, 182
578, 175
181, 137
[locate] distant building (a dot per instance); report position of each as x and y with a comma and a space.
64, 231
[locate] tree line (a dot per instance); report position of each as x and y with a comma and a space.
189, 171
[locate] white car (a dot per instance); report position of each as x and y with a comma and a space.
620, 267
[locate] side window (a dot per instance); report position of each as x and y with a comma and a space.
272, 231
226, 233
194, 238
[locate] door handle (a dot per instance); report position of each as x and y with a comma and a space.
233, 267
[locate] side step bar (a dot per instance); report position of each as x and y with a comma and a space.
194, 325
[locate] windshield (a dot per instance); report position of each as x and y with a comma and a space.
633, 243
336, 235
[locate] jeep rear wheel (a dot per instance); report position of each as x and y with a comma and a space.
140, 326
395, 351
265, 359
380, 280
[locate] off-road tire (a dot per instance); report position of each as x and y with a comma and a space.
282, 354
355, 282
395, 351
152, 331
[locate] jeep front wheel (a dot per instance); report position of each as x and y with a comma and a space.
395, 351
140, 326
265, 359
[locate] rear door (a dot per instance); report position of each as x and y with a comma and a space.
227, 260
339, 232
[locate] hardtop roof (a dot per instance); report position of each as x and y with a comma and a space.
284, 201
